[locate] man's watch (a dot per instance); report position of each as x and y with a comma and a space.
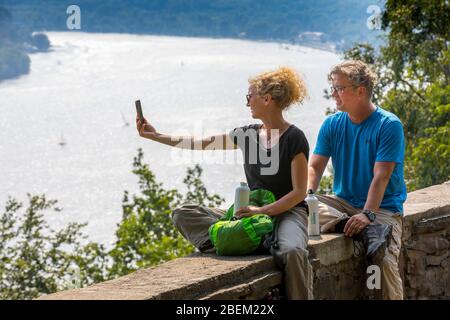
370, 215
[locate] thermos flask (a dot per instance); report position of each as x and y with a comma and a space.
241, 197
313, 218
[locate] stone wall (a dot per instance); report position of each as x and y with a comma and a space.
426, 244
338, 272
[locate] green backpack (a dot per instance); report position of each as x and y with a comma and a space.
233, 237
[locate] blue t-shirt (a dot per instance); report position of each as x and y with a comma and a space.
354, 149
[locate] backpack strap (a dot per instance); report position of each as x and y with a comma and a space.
274, 240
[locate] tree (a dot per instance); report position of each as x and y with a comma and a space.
418, 56
36, 260
326, 183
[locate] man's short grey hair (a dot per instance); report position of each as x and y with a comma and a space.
358, 73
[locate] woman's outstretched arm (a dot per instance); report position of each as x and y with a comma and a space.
216, 142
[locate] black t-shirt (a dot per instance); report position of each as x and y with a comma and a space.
270, 169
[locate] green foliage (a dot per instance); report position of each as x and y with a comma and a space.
36, 260
418, 40
418, 56
146, 235
427, 156
326, 183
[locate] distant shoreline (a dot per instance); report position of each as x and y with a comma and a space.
14, 56
23, 69
329, 47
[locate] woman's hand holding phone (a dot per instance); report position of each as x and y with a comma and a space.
144, 128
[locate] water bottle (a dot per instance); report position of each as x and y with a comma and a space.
241, 197
313, 218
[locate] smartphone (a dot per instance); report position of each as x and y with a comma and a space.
139, 109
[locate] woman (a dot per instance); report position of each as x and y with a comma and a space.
275, 158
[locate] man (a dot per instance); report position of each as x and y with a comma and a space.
366, 146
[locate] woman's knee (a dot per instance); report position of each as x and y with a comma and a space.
290, 242
180, 212
188, 212
292, 231
286, 246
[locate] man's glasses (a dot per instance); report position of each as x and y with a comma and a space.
339, 89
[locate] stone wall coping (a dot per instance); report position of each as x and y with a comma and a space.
429, 202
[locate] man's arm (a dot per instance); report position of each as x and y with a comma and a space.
316, 168
389, 153
382, 172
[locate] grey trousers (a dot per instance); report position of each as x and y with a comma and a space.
193, 222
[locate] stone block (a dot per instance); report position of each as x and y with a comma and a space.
446, 265
411, 293
433, 260
416, 262
434, 282
432, 225
431, 243
413, 281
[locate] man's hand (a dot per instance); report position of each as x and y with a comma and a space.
248, 211
356, 224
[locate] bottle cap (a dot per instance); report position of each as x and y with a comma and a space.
243, 184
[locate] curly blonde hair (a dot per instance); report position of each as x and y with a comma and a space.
284, 85
358, 73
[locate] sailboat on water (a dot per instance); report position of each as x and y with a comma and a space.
125, 122
62, 142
